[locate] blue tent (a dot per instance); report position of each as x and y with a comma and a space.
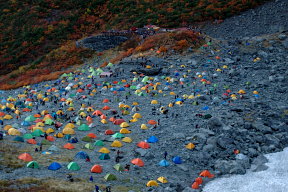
54, 166
176, 74
152, 139
19, 139
81, 155
67, 137
177, 160
3, 101
73, 140
121, 89
205, 108
1, 121
113, 89
25, 123
164, 163
179, 99
104, 156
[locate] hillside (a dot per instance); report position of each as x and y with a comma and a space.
41, 34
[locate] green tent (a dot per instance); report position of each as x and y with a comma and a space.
27, 136
49, 122
73, 166
64, 75
104, 156
79, 122
110, 177
30, 118
118, 167
145, 79
33, 165
195, 103
89, 146
87, 139
99, 143
118, 135
84, 127
37, 133
45, 142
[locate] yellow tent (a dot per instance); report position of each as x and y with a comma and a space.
35, 128
59, 135
152, 183
170, 105
137, 115
190, 146
50, 130
124, 125
154, 102
135, 103
121, 105
133, 120
7, 117
7, 127
127, 140
70, 125
104, 150
46, 99
69, 131
83, 114
71, 109
124, 131
144, 126
59, 112
104, 121
172, 93
116, 144
162, 180
90, 109
40, 124
13, 131
44, 112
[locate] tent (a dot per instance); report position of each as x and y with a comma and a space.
18, 139
127, 140
162, 180
87, 139
33, 165
96, 169
84, 127
54, 166
190, 146
164, 163
53, 148
118, 136
45, 142
118, 167
124, 131
81, 155
116, 143
143, 145
99, 143
25, 157
32, 141
37, 133
110, 177
69, 146
152, 139
30, 118
73, 140
104, 150
73, 166
137, 162
104, 156
177, 160
152, 183
89, 146
25, 123
13, 131
69, 131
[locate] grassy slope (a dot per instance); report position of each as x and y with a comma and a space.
33, 31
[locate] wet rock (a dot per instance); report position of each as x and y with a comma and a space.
259, 168
224, 142
262, 128
214, 123
229, 167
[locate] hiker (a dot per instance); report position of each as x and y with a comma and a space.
36, 149
69, 176
108, 189
40, 147
118, 153
127, 167
117, 160
91, 179
1, 136
96, 188
45, 135
158, 122
87, 159
165, 155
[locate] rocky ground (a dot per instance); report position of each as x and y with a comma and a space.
214, 116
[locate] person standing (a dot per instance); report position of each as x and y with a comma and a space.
165, 155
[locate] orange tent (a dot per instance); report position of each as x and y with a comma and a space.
37, 115
118, 121
69, 146
152, 122
97, 112
199, 180
109, 132
112, 119
137, 162
195, 185
103, 116
89, 119
32, 141
25, 157
48, 116
50, 138
105, 101
143, 145
91, 135
79, 90
2, 114
96, 169
63, 99
38, 120
206, 173
106, 107
26, 110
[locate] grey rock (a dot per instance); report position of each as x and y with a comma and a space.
208, 148
214, 123
228, 61
141, 151
182, 167
259, 168
189, 189
285, 43
224, 142
272, 140
282, 36
261, 127
178, 136
262, 54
